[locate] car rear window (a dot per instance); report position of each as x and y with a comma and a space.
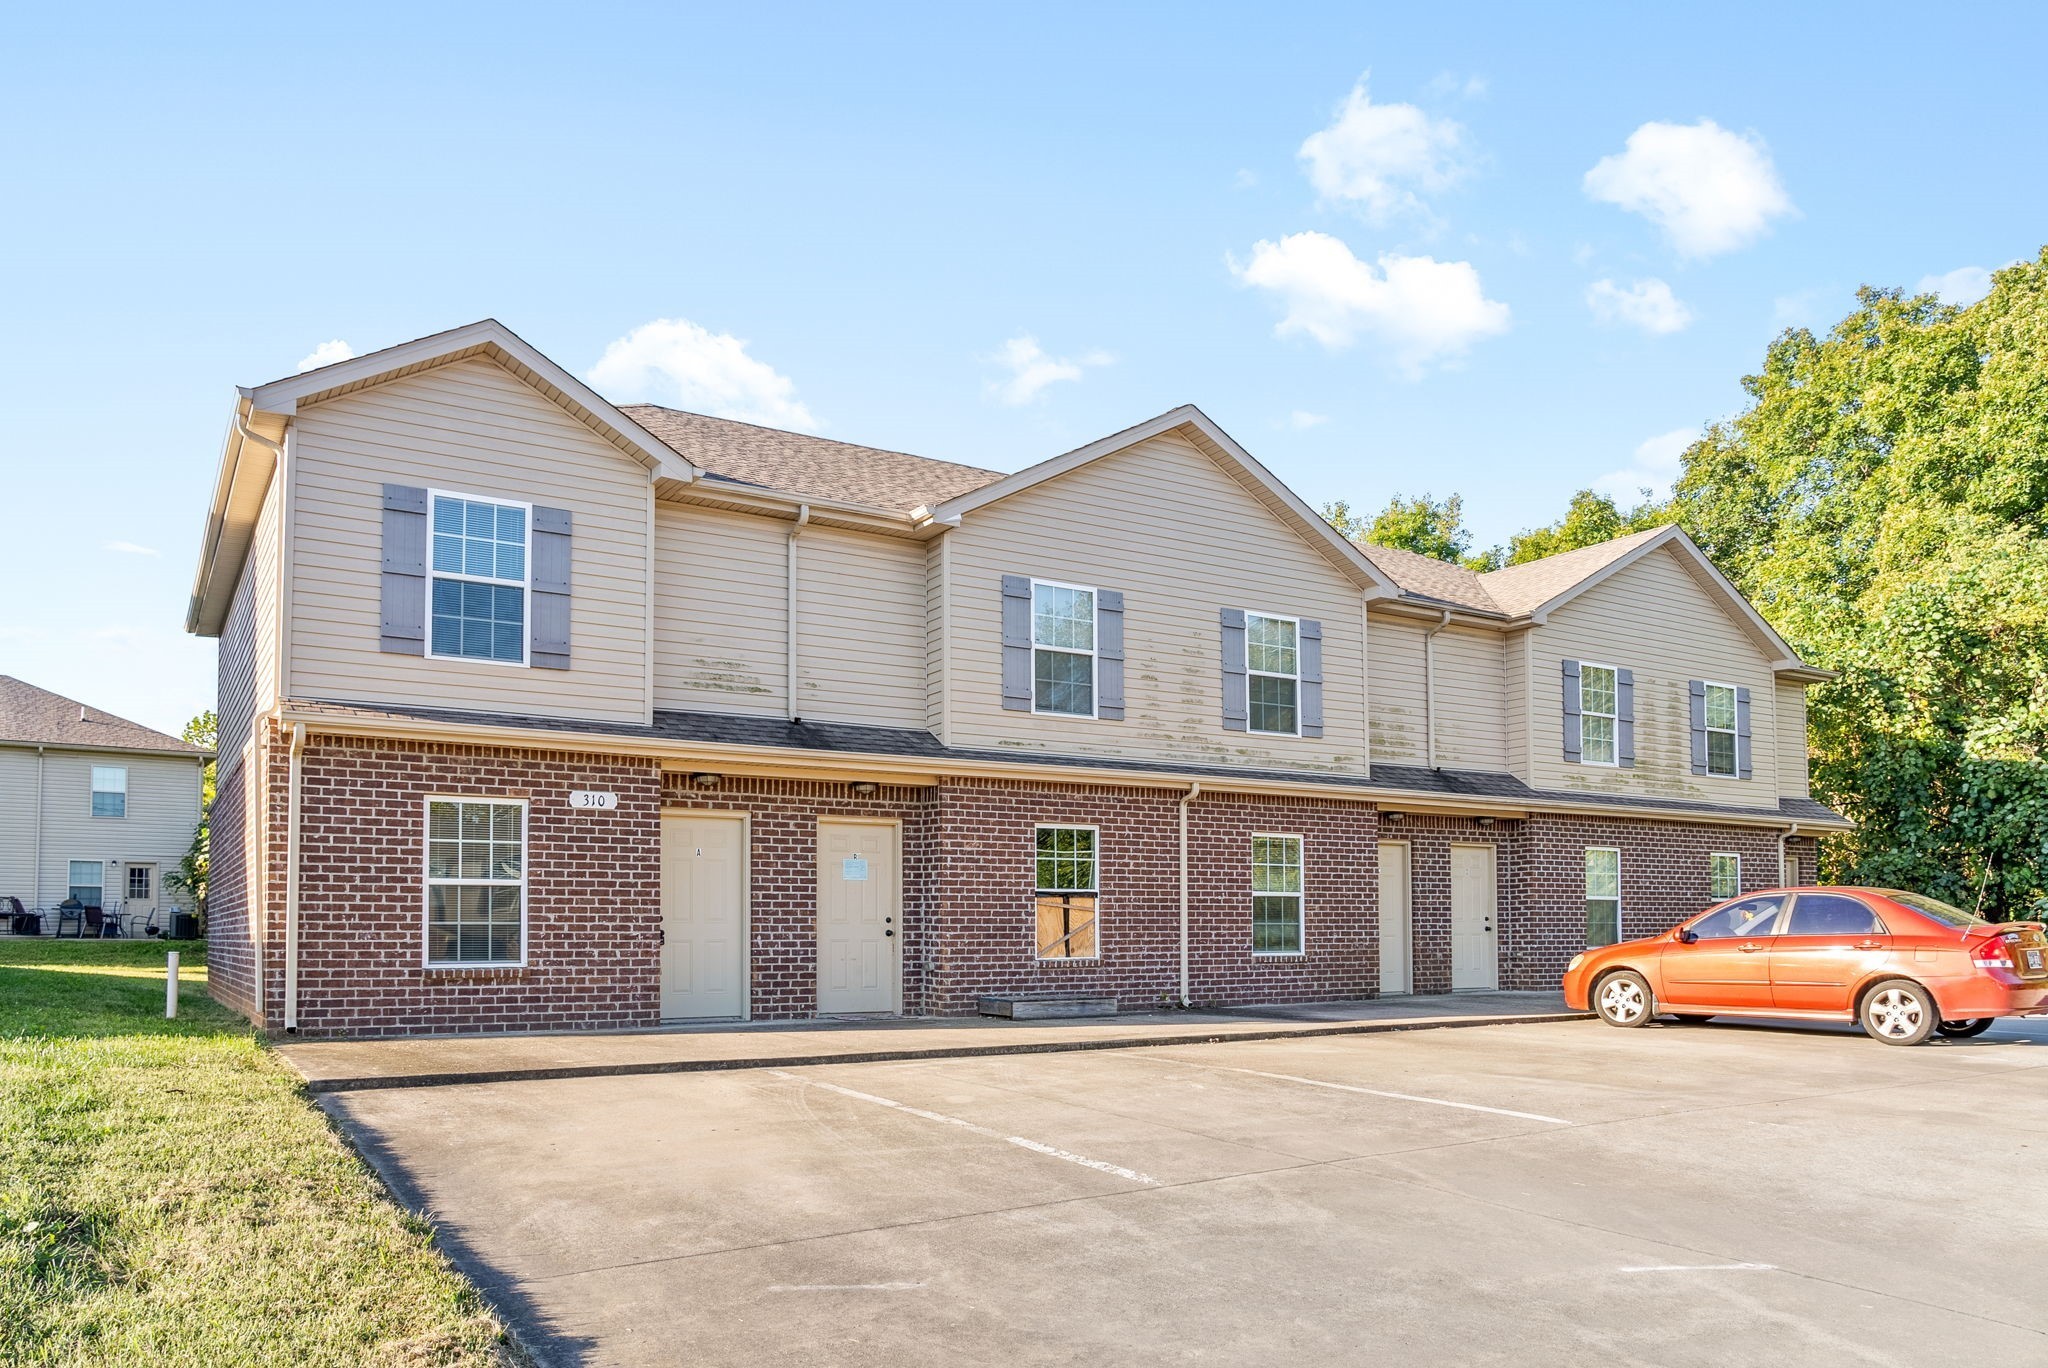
1934, 909
1831, 914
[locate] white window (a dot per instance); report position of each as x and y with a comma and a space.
1721, 730
1066, 892
1596, 714
476, 882
478, 569
109, 791
1603, 896
1062, 649
1724, 875
1276, 895
88, 882
1272, 656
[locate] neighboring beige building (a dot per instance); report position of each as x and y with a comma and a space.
92, 807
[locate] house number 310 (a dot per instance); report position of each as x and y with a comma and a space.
591, 801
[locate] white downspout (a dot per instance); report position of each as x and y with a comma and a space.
1186, 998
803, 517
1429, 689
1787, 834
36, 898
291, 882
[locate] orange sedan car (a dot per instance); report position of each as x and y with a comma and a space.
1904, 965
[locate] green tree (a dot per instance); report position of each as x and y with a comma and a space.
1883, 499
1591, 518
1425, 525
191, 874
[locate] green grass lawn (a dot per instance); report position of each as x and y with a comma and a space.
169, 1196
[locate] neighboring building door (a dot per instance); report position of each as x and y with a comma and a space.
860, 917
140, 893
1397, 937
1475, 899
703, 915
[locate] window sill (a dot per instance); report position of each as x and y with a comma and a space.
1279, 954
1085, 961
477, 973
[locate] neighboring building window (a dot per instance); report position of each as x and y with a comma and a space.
1272, 651
1062, 649
1724, 875
476, 881
477, 597
1066, 892
1721, 730
1276, 895
87, 882
109, 791
1596, 714
138, 883
1603, 896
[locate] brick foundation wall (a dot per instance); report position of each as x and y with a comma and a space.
230, 946
592, 895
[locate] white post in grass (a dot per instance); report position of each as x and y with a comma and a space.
171, 988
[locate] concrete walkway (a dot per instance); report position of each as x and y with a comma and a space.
439, 1061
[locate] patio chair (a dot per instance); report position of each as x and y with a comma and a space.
104, 925
20, 920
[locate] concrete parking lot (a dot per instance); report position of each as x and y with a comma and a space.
1527, 1194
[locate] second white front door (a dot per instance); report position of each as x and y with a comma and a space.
703, 915
860, 917
1396, 933
1475, 901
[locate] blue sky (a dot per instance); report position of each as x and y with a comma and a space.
1363, 238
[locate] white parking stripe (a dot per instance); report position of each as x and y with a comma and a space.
1035, 1146
1372, 1092
1701, 1268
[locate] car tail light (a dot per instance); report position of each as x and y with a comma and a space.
1996, 953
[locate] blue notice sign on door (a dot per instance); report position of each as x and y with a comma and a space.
853, 867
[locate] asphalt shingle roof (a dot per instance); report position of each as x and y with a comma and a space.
798, 464
1512, 591
40, 717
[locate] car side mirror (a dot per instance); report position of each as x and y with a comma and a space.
1687, 935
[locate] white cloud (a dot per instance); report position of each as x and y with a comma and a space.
1245, 179
672, 360
128, 548
1646, 304
1447, 83
1422, 309
326, 354
1031, 370
1710, 190
1301, 420
1655, 466
1378, 155
1963, 285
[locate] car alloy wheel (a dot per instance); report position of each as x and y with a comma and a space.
1623, 999
1899, 1013
1963, 1030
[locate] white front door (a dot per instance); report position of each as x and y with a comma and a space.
860, 917
1475, 946
138, 894
1396, 925
703, 915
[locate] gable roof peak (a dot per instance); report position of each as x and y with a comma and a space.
37, 716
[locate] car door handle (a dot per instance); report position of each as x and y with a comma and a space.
1749, 947
1869, 945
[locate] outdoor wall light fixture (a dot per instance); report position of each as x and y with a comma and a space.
1482, 821
1392, 816
705, 780
864, 787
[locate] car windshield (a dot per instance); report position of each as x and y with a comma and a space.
1934, 909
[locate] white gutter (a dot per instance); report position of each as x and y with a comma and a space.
291, 883
803, 517
1429, 689
36, 902
1787, 834
1186, 999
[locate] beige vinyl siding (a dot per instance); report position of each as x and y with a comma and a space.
935, 664
1399, 718
1656, 619
18, 824
1792, 753
1471, 724
1515, 710
1182, 539
466, 428
163, 812
860, 628
721, 612
248, 664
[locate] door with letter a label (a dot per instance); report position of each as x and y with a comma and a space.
860, 917
1475, 903
703, 915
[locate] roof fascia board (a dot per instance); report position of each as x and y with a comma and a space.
783, 503
206, 610
1186, 416
20, 743
706, 754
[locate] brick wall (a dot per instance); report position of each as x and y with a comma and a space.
230, 947
1429, 842
592, 895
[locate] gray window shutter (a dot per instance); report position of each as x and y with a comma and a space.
1109, 655
404, 628
1017, 643
548, 606
1574, 727
1697, 688
1625, 718
1311, 677
1236, 707
1742, 733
